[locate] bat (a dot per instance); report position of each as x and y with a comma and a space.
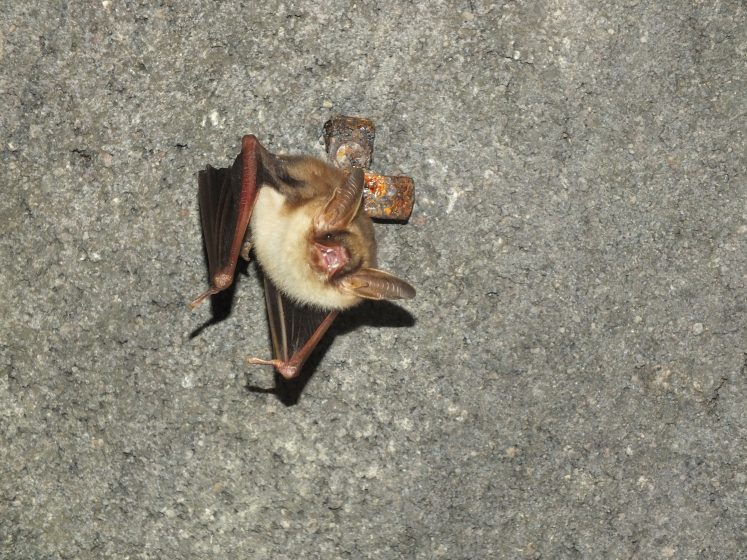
304, 221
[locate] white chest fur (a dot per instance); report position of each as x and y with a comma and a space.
281, 242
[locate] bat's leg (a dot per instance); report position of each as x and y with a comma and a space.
246, 248
292, 367
246, 245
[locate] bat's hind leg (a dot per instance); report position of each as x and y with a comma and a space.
246, 246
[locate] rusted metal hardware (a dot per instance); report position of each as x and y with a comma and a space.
349, 142
388, 197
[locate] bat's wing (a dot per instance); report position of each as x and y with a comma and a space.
295, 330
226, 199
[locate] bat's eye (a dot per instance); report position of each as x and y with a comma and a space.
332, 237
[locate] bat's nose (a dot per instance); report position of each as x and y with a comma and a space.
329, 259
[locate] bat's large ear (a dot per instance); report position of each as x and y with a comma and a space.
371, 283
343, 206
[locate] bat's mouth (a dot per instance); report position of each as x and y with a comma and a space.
329, 260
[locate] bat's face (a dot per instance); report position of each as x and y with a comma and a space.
333, 254
307, 237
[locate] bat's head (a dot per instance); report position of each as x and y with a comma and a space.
313, 238
343, 246
341, 237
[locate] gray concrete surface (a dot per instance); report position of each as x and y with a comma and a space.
570, 381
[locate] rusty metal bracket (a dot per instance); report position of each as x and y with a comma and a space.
350, 142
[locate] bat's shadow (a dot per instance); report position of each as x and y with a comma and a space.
374, 314
221, 305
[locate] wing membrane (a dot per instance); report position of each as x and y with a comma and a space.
295, 329
226, 198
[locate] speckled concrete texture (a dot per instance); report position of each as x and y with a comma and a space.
570, 381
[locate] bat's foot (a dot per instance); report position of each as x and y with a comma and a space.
246, 248
288, 370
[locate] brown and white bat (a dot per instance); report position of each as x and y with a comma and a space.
310, 235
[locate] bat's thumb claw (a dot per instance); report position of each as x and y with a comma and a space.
288, 370
211, 291
195, 303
